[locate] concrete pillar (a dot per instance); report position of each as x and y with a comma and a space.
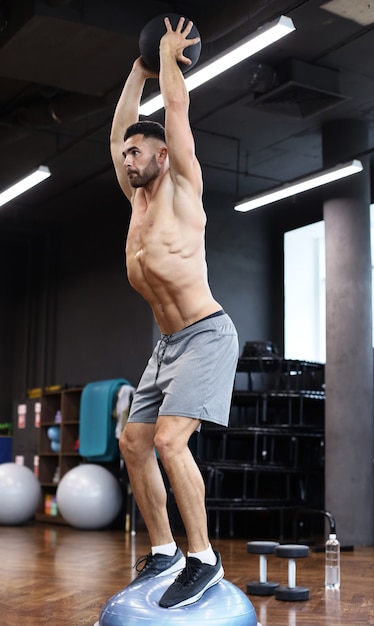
349, 481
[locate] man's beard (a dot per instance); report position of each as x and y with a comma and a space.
150, 172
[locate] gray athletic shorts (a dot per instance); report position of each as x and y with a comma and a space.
190, 373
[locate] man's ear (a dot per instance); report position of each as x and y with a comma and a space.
162, 155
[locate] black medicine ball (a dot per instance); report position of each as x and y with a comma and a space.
149, 42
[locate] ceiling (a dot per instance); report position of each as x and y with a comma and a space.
63, 64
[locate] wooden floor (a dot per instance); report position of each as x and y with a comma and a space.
59, 576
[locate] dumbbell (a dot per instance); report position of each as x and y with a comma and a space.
292, 592
262, 587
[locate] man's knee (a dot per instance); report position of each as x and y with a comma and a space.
170, 444
173, 434
136, 440
123, 443
163, 443
128, 443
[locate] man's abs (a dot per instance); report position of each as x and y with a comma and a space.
176, 289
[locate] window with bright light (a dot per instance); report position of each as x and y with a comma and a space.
305, 291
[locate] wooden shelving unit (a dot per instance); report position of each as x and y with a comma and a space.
54, 465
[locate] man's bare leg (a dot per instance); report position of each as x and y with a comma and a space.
171, 440
204, 568
137, 447
165, 558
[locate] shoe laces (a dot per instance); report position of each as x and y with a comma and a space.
146, 559
190, 573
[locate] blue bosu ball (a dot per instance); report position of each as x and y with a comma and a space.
224, 604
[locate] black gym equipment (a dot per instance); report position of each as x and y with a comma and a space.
292, 592
262, 587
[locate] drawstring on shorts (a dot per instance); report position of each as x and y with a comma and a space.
164, 341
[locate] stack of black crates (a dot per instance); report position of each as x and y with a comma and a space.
269, 462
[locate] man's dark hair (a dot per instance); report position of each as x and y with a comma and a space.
146, 128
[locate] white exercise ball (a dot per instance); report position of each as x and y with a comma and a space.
20, 494
89, 496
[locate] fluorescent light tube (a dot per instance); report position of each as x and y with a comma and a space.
24, 184
152, 105
298, 186
263, 37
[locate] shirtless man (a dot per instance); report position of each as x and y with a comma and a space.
189, 378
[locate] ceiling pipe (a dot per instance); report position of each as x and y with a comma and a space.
60, 109
3, 17
57, 3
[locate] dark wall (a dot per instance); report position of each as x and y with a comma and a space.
103, 328
21, 268
240, 269
13, 258
246, 264
69, 316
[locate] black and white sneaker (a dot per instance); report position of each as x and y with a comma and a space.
192, 582
156, 565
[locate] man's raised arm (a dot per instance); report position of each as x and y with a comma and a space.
127, 113
179, 138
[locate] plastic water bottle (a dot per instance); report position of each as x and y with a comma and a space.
332, 563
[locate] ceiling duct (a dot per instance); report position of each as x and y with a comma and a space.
303, 90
